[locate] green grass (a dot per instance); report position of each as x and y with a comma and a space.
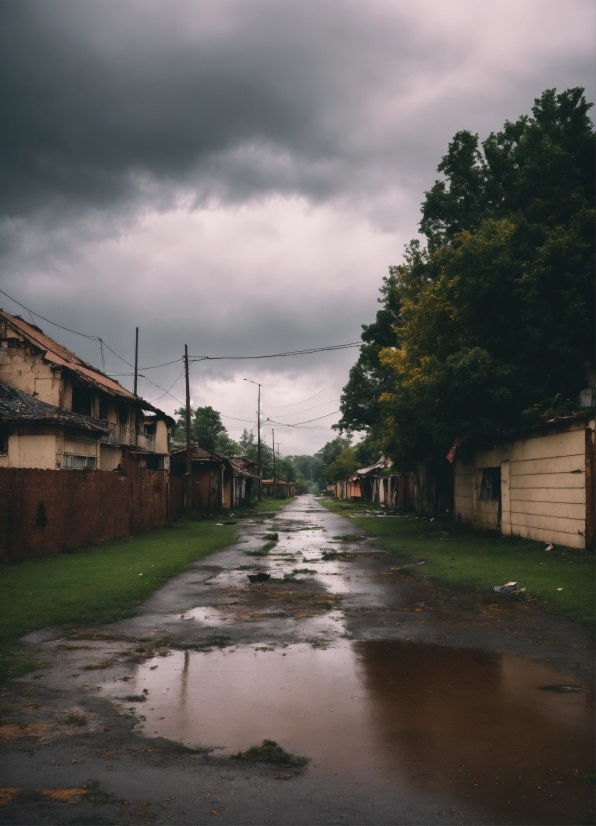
482, 560
272, 505
96, 584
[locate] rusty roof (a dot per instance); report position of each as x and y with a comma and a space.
238, 464
60, 356
198, 454
16, 406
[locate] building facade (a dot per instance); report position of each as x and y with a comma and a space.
539, 487
112, 424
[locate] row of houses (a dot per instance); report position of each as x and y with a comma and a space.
59, 413
539, 486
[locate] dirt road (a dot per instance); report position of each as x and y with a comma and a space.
409, 710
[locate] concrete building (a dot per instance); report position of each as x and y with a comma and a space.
112, 424
540, 486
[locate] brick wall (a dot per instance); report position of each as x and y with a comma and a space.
45, 511
176, 498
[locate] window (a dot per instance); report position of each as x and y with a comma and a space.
71, 460
103, 410
3, 438
490, 489
122, 414
81, 401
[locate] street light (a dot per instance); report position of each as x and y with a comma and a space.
258, 431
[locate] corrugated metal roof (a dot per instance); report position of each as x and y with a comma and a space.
16, 406
56, 354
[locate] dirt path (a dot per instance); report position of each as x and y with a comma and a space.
410, 711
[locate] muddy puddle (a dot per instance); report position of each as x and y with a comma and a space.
487, 729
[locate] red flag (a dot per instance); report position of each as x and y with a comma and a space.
451, 455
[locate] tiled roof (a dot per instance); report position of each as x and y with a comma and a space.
16, 406
57, 354
198, 454
238, 464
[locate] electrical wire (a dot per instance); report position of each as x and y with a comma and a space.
279, 355
319, 393
166, 392
308, 421
300, 412
102, 343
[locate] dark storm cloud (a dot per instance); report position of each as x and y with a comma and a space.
232, 99
99, 96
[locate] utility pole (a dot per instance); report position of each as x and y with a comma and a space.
278, 464
188, 485
258, 433
259, 439
136, 361
274, 482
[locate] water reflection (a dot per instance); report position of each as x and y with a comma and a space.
471, 725
476, 724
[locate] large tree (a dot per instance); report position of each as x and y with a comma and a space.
492, 321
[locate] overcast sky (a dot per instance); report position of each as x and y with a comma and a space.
238, 175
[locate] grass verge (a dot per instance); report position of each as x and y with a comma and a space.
481, 560
271, 505
97, 584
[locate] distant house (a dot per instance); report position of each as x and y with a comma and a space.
378, 484
219, 482
279, 487
59, 412
539, 486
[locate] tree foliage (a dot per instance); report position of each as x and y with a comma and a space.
491, 323
206, 429
339, 458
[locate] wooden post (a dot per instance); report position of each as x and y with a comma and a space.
274, 482
136, 361
590, 491
259, 441
188, 477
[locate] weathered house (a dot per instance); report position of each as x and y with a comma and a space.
539, 486
378, 484
218, 482
112, 424
279, 487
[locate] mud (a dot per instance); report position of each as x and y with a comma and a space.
413, 702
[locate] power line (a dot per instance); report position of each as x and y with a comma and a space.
308, 421
300, 412
102, 343
280, 355
319, 393
166, 392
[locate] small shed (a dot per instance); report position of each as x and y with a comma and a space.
539, 486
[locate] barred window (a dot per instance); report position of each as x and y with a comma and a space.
72, 460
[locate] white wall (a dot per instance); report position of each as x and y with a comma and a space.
543, 488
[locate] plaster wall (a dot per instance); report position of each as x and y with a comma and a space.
161, 436
81, 448
25, 371
543, 488
109, 457
32, 451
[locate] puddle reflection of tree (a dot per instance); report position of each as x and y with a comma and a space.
184, 682
475, 725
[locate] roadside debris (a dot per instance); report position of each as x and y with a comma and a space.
260, 577
271, 752
549, 547
509, 588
